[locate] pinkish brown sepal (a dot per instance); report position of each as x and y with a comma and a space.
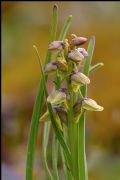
56, 45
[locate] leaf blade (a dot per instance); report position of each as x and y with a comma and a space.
44, 150
88, 60
81, 126
38, 108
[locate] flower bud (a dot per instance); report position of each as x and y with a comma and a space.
79, 79
56, 45
57, 97
91, 105
77, 41
50, 67
75, 56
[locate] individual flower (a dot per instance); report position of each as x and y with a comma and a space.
77, 55
78, 79
85, 104
57, 97
77, 41
50, 67
56, 45
91, 105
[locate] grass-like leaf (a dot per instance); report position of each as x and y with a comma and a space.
88, 60
44, 144
38, 108
95, 67
47, 126
65, 28
81, 127
54, 157
66, 171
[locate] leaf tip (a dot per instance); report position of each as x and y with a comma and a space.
55, 6
101, 64
92, 38
34, 46
70, 16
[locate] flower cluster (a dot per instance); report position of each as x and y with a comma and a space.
70, 56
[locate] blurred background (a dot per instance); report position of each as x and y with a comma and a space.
27, 23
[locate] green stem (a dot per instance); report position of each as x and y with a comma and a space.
72, 135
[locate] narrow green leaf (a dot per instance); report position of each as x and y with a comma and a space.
88, 60
81, 149
67, 173
81, 126
72, 138
53, 32
95, 67
44, 150
54, 157
58, 133
38, 107
65, 28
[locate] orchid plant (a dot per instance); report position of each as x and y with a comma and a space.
70, 65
